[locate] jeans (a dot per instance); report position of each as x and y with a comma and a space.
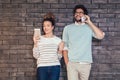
48, 73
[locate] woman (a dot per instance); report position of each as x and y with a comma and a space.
47, 49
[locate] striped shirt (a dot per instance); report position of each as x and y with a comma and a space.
46, 52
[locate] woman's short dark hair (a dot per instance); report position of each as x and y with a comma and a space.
80, 7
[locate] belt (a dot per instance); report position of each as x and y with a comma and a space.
82, 62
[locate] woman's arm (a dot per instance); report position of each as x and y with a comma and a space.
60, 49
36, 53
35, 47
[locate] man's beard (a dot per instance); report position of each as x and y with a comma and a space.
77, 20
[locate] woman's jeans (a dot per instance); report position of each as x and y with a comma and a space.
48, 73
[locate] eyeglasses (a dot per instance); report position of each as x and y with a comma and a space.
79, 13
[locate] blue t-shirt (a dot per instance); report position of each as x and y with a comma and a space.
78, 40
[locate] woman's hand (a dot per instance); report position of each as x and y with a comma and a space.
35, 39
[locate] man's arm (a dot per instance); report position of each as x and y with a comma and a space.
65, 55
65, 50
99, 34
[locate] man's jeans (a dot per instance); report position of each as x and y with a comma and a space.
48, 73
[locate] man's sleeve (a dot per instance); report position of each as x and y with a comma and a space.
93, 34
65, 38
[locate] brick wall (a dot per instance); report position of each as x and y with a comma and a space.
18, 18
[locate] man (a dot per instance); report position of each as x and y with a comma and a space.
78, 39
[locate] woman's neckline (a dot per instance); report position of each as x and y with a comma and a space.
48, 37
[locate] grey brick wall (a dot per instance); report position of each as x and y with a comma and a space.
18, 18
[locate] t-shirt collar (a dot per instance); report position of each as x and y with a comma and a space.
78, 23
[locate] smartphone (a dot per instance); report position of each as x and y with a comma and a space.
37, 33
83, 19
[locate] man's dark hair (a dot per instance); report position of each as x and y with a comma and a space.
80, 7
